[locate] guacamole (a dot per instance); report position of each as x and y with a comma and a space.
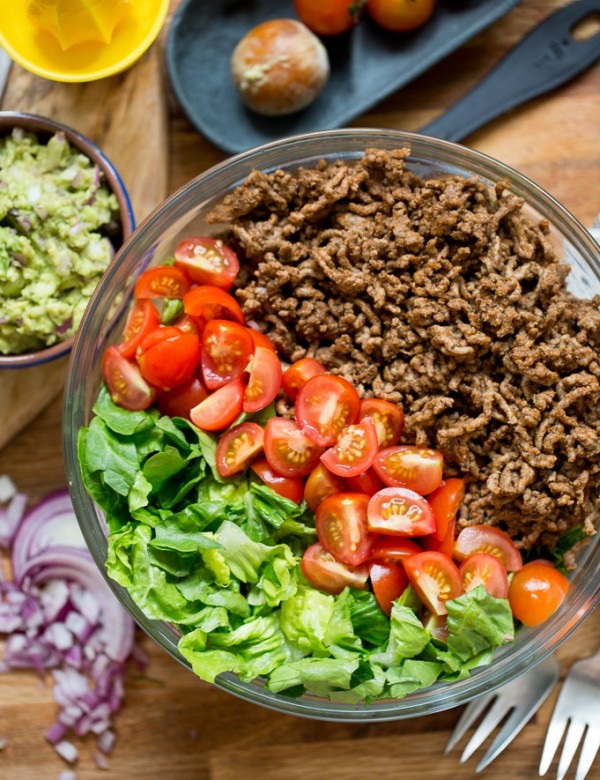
56, 218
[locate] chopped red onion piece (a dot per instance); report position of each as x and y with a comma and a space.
67, 775
101, 761
67, 750
106, 741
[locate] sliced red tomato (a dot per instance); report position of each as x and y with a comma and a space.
325, 405
189, 324
341, 523
389, 581
415, 468
289, 451
324, 572
264, 381
221, 408
536, 592
435, 578
143, 317
212, 303
487, 570
298, 375
320, 484
400, 512
179, 401
207, 261
387, 417
354, 451
125, 383
226, 349
488, 539
368, 482
288, 487
237, 447
260, 339
393, 548
445, 545
162, 281
167, 357
445, 502
328, 17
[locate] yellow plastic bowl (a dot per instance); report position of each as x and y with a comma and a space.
39, 52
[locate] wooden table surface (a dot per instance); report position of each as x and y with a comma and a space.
175, 725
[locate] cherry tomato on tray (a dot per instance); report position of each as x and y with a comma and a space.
400, 15
328, 17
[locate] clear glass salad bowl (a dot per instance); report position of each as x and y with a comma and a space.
183, 215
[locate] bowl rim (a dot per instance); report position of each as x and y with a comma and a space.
535, 643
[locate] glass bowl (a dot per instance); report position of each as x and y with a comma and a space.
183, 215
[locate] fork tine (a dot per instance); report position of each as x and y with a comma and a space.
471, 713
554, 735
492, 717
572, 740
589, 750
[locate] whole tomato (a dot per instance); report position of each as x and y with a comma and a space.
329, 17
400, 15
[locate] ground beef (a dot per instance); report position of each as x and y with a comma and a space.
442, 296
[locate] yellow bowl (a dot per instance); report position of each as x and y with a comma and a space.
39, 52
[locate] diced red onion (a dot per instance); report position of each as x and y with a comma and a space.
67, 775
67, 750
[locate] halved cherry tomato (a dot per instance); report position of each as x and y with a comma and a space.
445, 502
393, 548
488, 539
325, 405
260, 339
389, 581
487, 570
354, 451
445, 545
189, 324
125, 383
237, 447
288, 487
328, 17
289, 451
415, 468
298, 375
179, 401
264, 381
320, 484
207, 261
220, 408
212, 303
226, 349
387, 417
341, 523
162, 281
324, 572
167, 357
143, 317
435, 578
368, 482
400, 512
536, 592
400, 15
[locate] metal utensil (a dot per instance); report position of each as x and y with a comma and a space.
518, 699
5, 63
578, 705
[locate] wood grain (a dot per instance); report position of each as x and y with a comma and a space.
173, 725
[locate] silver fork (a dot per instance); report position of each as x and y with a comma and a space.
518, 699
578, 704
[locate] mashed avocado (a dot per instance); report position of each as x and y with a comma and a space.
55, 218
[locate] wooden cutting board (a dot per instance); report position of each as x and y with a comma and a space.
125, 115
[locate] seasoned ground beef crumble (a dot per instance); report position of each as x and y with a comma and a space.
445, 298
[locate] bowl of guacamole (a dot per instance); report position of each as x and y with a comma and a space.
64, 213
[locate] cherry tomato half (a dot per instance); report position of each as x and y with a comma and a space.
289, 451
341, 523
354, 451
162, 281
325, 573
288, 487
445, 545
325, 405
125, 383
328, 17
368, 482
387, 417
207, 261
320, 484
221, 408
179, 401
389, 581
226, 349
298, 375
393, 548
445, 502
400, 512
487, 570
415, 468
435, 578
143, 317
260, 339
536, 591
264, 381
237, 447
167, 357
488, 539
211, 303
400, 15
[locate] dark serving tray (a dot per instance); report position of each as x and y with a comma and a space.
367, 64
